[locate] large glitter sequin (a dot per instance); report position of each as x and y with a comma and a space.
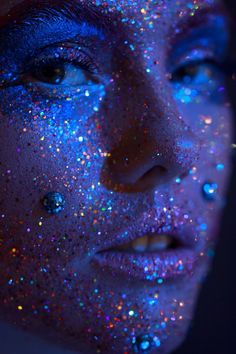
53, 202
209, 190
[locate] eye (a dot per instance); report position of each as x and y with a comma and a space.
198, 80
55, 72
52, 73
61, 66
196, 72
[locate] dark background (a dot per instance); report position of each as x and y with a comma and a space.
214, 329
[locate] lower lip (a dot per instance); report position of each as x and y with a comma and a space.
155, 266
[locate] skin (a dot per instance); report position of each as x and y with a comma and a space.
49, 286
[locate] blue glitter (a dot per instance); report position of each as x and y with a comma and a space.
157, 341
203, 227
53, 202
220, 166
209, 190
142, 343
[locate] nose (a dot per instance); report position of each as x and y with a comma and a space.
149, 154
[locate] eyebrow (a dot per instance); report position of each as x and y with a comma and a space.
187, 22
78, 11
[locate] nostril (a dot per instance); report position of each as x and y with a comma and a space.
154, 173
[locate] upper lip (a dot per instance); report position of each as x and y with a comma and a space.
144, 226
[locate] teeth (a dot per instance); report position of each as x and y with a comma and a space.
159, 243
140, 244
148, 244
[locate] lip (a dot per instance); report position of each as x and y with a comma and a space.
146, 226
149, 266
158, 265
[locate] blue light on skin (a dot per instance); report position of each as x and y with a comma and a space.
85, 99
203, 45
43, 32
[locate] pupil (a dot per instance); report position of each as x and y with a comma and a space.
51, 74
185, 74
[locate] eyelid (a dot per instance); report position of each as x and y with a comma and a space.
195, 55
207, 32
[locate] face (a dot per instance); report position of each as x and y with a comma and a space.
120, 109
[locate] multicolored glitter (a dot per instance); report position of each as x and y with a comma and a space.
120, 106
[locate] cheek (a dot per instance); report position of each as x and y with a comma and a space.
48, 150
213, 127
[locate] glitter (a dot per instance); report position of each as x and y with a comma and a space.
163, 324
180, 266
203, 227
68, 150
209, 190
152, 302
220, 166
142, 343
53, 202
208, 120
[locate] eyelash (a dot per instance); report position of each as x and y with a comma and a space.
62, 55
195, 63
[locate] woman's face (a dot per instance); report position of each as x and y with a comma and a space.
120, 106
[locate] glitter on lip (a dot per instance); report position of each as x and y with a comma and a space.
144, 226
158, 265
155, 266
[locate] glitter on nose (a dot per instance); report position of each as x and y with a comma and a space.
54, 202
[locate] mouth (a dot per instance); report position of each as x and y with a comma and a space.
152, 257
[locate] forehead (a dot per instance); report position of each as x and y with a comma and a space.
125, 7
